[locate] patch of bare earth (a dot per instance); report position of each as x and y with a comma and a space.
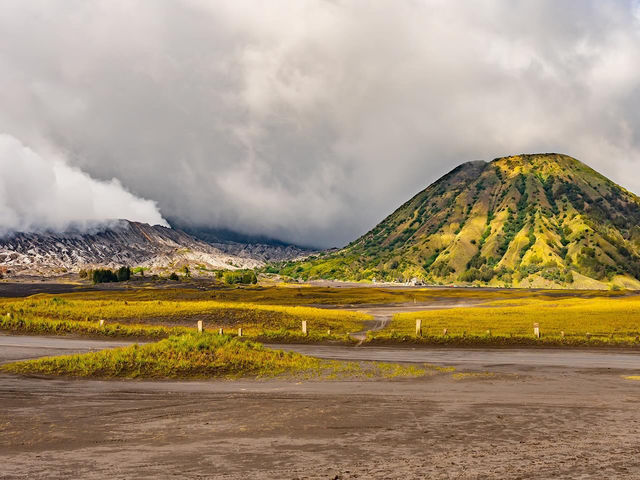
555, 423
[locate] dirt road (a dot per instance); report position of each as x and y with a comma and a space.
566, 424
23, 347
526, 421
383, 313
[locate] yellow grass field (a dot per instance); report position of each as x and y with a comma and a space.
260, 311
252, 317
275, 313
576, 317
300, 294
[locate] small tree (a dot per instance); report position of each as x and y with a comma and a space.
174, 276
187, 272
124, 274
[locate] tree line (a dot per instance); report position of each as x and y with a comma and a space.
124, 273
105, 275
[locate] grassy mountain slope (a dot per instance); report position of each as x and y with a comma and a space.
539, 220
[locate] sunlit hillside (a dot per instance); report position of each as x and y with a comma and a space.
542, 220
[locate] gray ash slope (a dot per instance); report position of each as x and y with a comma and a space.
130, 243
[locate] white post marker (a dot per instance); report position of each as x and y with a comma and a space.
200, 326
240, 332
304, 327
536, 330
220, 331
418, 327
101, 323
444, 332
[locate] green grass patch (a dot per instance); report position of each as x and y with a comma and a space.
203, 356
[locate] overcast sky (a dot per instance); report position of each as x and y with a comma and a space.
308, 121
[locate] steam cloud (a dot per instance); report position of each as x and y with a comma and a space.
45, 193
311, 120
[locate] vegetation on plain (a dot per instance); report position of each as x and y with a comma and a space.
203, 356
256, 319
562, 321
287, 294
273, 314
37, 325
233, 277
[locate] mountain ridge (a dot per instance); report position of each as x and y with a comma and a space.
543, 220
130, 243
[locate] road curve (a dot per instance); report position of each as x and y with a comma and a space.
383, 314
23, 347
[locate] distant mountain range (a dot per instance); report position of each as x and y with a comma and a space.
544, 220
134, 244
226, 236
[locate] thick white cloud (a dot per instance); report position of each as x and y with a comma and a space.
310, 120
45, 193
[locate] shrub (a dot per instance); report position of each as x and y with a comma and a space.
476, 261
442, 269
432, 258
240, 276
484, 274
